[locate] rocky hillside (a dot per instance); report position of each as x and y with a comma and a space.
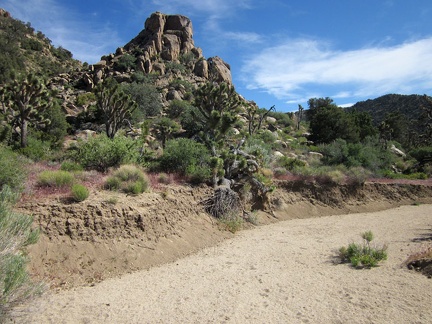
408, 105
22, 49
163, 54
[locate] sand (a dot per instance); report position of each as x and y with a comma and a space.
278, 273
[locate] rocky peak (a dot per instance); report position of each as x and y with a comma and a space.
4, 13
167, 35
165, 39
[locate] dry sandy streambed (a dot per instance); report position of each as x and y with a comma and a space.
278, 273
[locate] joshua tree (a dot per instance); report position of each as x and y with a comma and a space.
256, 116
115, 105
165, 127
218, 105
23, 102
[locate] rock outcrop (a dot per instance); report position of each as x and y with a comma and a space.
164, 51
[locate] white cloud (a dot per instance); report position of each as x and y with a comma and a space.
86, 38
297, 68
244, 37
215, 8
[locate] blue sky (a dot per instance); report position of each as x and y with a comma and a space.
281, 52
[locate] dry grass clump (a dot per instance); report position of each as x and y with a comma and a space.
129, 179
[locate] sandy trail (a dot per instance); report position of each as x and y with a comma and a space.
280, 273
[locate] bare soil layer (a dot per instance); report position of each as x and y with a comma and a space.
111, 234
285, 272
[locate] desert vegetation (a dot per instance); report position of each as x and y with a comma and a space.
129, 127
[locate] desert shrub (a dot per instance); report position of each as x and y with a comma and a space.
15, 233
125, 63
57, 178
261, 150
422, 154
284, 119
147, 98
173, 66
164, 178
79, 192
36, 149
363, 255
358, 175
368, 154
232, 222
177, 107
198, 173
411, 176
101, 153
179, 84
71, 166
325, 176
290, 163
85, 98
129, 179
12, 168
266, 136
190, 123
182, 154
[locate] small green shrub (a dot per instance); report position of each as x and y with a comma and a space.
36, 149
15, 233
101, 153
79, 192
129, 179
12, 168
290, 163
182, 154
164, 178
71, 166
55, 178
363, 255
232, 223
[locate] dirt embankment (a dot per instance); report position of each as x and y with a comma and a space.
112, 234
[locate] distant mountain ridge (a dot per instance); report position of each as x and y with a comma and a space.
408, 105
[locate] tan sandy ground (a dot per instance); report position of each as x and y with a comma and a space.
279, 273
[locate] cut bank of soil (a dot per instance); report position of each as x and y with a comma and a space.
280, 273
111, 234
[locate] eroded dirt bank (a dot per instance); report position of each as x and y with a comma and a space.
110, 235
280, 273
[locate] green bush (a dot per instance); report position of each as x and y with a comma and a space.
363, 255
368, 154
36, 149
101, 153
422, 154
15, 233
125, 63
182, 154
232, 223
55, 178
290, 163
71, 166
12, 166
79, 192
129, 179
198, 173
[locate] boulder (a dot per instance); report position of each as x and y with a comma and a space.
171, 47
201, 68
219, 70
396, 151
